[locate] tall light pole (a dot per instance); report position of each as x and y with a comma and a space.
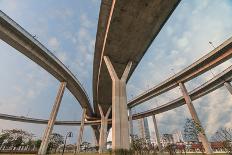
69, 134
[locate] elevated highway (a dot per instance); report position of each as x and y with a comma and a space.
204, 89
213, 84
207, 62
14, 35
125, 31
43, 121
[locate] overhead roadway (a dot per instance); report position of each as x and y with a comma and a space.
211, 85
43, 121
204, 64
14, 35
206, 88
125, 31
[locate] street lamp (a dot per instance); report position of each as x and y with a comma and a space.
69, 134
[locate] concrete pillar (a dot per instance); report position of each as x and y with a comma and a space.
201, 135
131, 123
103, 129
80, 134
157, 133
228, 86
48, 130
120, 126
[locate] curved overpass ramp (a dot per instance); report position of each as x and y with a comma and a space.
126, 28
206, 88
207, 62
14, 35
213, 84
43, 121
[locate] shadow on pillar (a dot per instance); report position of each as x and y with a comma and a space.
103, 130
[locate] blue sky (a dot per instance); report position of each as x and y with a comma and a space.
68, 29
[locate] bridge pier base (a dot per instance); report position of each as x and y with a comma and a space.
120, 125
157, 133
103, 130
80, 134
48, 130
228, 86
201, 135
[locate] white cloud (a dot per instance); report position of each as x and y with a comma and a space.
86, 22
53, 43
184, 39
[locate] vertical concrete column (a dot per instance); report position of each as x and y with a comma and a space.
52, 119
80, 134
131, 123
103, 129
228, 86
120, 126
157, 133
201, 134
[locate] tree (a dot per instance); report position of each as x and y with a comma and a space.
85, 146
55, 140
224, 136
37, 143
15, 137
190, 131
3, 136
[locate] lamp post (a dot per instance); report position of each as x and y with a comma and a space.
69, 134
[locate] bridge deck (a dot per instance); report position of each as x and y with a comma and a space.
125, 31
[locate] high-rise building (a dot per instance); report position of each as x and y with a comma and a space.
144, 128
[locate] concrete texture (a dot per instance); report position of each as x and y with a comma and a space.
211, 85
103, 130
228, 86
48, 130
43, 121
125, 31
206, 88
157, 133
17, 37
80, 133
204, 64
120, 126
201, 135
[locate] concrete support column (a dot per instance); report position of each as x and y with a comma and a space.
157, 133
48, 130
95, 138
103, 129
120, 126
228, 86
131, 123
201, 135
80, 134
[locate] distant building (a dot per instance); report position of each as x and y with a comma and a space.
177, 137
144, 128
